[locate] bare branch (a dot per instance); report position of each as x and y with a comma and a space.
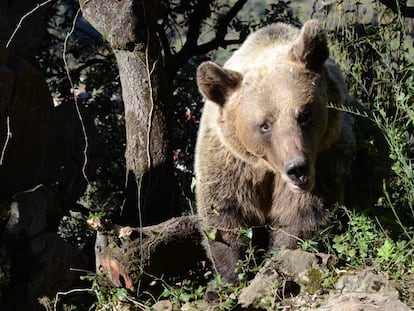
222, 28
214, 44
9, 135
226, 19
19, 25
191, 48
85, 150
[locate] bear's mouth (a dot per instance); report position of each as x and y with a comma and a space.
303, 184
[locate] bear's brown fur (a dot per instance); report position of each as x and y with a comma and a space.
269, 151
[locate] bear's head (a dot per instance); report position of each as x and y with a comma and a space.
273, 110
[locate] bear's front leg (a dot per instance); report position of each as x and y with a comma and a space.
285, 237
222, 242
295, 217
224, 252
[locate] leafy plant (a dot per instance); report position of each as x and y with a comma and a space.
364, 244
108, 297
183, 292
357, 244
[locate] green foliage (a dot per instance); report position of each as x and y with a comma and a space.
107, 297
375, 52
364, 244
183, 293
73, 228
358, 243
376, 58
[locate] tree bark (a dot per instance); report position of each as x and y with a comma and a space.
130, 28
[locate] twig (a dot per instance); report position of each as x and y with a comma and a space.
19, 25
76, 290
136, 303
9, 135
151, 95
85, 150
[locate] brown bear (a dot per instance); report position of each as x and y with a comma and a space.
269, 151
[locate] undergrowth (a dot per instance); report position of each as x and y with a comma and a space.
372, 47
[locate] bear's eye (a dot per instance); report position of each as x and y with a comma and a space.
305, 116
265, 126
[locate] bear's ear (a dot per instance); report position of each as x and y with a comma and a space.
216, 83
311, 47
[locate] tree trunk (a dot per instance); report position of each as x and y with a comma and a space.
130, 27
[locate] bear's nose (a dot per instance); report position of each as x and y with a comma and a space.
297, 169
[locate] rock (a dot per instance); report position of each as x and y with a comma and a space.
358, 291
366, 281
162, 305
197, 305
40, 143
363, 302
364, 290
287, 272
30, 210
41, 159
298, 263
266, 283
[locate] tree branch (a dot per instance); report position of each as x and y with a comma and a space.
164, 41
201, 11
191, 48
397, 6
214, 44
174, 62
224, 21
222, 27
39, 5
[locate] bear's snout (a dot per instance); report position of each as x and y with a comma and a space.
298, 171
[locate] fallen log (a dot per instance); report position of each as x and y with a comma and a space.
125, 254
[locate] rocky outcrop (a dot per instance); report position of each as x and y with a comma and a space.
292, 270
355, 291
